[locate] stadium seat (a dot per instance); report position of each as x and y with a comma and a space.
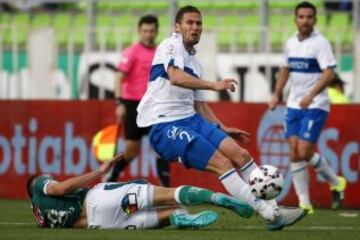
248, 31
21, 23
79, 30
230, 16
6, 21
61, 23
246, 5
159, 5
39, 20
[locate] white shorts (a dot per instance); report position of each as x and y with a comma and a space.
121, 206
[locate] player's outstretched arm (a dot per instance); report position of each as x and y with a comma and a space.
280, 84
62, 188
182, 79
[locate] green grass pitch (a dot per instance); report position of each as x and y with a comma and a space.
16, 222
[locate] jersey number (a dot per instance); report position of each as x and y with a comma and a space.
56, 218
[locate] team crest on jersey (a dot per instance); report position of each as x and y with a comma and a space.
170, 50
129, 203
40, 221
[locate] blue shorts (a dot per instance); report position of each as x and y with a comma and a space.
304, 123
191, 141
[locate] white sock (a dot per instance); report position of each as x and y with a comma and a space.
322, 167
300, 179
240, 190
245, 172
247, 169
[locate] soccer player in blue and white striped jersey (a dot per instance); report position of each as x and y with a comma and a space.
308, 64
184, 128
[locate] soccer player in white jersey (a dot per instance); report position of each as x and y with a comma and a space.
122, 205
183, 127
308, 64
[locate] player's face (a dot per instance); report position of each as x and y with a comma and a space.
190, 28
305, 20
147, 34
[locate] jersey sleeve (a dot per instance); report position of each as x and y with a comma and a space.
126, 61
284, 61
41, 183
325, 56
172, 56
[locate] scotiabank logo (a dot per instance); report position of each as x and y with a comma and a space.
65, 154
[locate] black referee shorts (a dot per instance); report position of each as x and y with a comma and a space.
132, 131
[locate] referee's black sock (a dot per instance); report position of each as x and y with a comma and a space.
163, 171
118, 167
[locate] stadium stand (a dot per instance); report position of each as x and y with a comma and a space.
236, 24
228, 16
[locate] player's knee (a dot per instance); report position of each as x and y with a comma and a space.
245, 154
219, 164
304, 154
241, 158
225, 165
294, 156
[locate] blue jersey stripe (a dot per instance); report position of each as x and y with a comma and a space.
158, 70
190, 71
304, 65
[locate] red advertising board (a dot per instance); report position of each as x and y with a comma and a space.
55, 137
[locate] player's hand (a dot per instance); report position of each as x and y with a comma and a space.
226, 84
237, 134
106, 166
120, 112
273, 102
306, 101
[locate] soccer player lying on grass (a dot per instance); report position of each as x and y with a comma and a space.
126, 205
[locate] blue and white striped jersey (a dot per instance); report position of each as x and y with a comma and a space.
164, 102
306, 61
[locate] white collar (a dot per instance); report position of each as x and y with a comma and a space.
313, 34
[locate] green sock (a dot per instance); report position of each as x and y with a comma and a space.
189, 195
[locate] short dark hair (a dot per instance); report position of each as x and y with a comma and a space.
305, 4
336, 81
185, 9
148, 19
29, 184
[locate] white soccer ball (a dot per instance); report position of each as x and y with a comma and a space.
266, 182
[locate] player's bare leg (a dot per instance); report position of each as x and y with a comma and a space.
337, 184
299, 174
